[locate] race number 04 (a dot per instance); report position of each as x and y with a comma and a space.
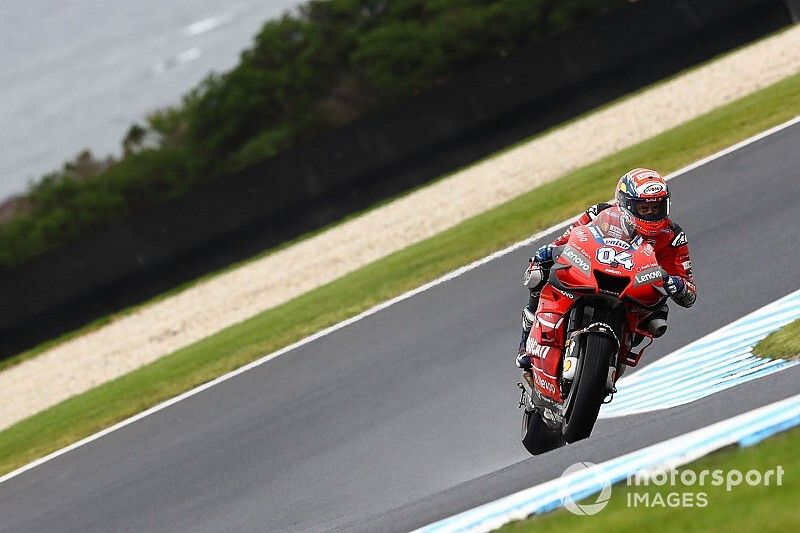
609, 256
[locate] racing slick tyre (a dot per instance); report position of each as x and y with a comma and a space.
588, 387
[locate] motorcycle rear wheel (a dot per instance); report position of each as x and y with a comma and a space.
588, 390
537, 437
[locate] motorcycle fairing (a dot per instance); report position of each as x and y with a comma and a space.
582, 267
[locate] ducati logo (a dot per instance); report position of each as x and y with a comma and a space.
536, 349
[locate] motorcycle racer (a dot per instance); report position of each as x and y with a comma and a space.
643, 194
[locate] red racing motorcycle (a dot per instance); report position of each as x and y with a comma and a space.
598, 305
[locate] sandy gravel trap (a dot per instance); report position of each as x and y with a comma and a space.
223, 300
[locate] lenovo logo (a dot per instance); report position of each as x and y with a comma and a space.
648, 277
576, 259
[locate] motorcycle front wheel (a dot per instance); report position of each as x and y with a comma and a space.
588, 390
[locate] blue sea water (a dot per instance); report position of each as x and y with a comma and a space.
77, 74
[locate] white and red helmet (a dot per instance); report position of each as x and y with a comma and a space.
642, 187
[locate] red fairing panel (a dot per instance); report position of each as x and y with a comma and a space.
671, 247
546, 341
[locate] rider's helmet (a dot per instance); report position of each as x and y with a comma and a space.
643, 194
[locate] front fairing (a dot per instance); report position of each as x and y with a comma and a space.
607, 257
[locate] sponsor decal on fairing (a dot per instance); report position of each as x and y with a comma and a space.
565, 293
597, 234
536, 349
610, 241
610, 256
647, 276
576, 259
549, 387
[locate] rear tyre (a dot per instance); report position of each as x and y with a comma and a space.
589, 387
537, 437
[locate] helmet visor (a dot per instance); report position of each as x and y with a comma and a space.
651, 210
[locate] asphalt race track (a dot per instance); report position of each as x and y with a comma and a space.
410, 415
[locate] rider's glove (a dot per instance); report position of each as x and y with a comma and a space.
544, 254
675, 286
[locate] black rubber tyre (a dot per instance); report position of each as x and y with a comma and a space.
537, 437
589, 387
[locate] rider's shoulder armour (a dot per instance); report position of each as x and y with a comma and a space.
679, 236
594, 210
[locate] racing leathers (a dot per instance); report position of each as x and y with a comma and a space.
672, 254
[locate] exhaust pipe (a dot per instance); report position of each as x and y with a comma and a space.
657, 327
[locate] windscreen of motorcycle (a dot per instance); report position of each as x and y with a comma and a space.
615, 227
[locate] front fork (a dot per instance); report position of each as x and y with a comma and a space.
571, 357
528, 394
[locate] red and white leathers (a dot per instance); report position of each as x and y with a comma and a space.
672, 254
670, 245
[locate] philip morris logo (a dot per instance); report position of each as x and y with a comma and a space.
592, 475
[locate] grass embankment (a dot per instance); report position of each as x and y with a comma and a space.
743, 508
784, 343
101, 407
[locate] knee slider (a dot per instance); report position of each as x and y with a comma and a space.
533, 276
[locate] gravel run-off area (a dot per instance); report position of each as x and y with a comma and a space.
160, 328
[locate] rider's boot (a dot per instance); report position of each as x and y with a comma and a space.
523, 360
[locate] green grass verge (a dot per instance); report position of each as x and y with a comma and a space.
784, 343
379, 281
743, 508
104, 320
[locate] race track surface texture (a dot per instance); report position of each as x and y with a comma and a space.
410, 415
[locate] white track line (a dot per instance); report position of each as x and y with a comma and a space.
372, 311
745, 429
718, 361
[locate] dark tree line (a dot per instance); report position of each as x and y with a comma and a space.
304, 74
